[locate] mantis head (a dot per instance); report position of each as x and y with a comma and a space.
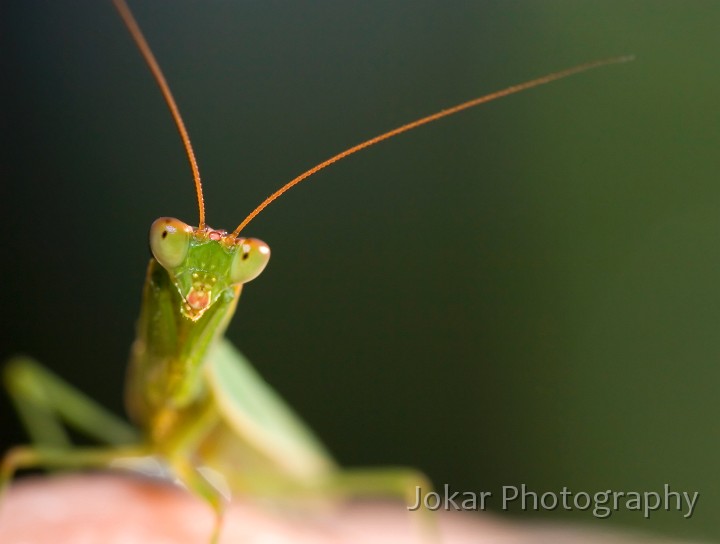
203, 263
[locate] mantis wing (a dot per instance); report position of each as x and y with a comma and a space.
260, 417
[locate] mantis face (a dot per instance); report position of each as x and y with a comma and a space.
204, 263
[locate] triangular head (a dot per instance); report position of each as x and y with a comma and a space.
202, 264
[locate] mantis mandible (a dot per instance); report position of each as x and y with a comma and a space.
195, 401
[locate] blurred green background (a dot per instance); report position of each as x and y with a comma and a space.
525, 293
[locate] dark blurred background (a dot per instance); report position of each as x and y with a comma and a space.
525, 293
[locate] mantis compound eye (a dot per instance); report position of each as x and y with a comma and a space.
170, 241
250, 260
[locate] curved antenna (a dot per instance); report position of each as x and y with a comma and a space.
147, 54
425, 120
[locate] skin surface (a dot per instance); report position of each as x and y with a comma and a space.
119, 509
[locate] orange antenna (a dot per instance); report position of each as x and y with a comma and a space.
152, 63
425, 120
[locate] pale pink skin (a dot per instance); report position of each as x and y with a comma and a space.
116, 509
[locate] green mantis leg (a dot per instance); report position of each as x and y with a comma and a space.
21, 457
203, 488
401, 483
395, 482
177, 449
45, 402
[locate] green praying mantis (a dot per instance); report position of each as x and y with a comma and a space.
195, 401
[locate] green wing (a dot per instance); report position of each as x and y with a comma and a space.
260, 416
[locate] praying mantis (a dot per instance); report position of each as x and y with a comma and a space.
196, 401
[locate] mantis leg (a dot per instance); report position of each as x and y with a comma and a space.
178, 450
44, 402
402, 483
204, 488
21, 457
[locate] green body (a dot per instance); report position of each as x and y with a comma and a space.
198, 405
181, 368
